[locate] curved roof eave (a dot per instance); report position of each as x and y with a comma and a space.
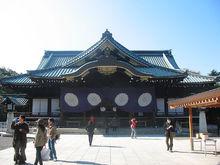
117, 64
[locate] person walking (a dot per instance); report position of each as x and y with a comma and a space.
21, 129
51, 133
114, 124
169, 133
107, 126
90, 130
133, 125
40, 140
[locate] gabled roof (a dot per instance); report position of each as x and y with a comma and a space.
108, 41
153, 63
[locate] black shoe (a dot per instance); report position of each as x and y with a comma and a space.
17, 162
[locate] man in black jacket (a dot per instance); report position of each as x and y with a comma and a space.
169, 132
20, 139
90, 129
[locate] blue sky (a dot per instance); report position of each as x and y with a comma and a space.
190, 28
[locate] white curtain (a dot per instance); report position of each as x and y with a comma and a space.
39, 106
160, 106
55, 106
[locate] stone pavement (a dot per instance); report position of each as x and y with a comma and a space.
148, 150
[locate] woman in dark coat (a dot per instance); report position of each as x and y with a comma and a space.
90, 129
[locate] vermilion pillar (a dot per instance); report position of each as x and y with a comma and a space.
191, 128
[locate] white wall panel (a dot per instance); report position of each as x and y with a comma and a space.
55, 106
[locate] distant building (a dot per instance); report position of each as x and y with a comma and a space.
107, 80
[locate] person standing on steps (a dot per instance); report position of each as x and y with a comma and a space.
21, 129
169, 133
90, 129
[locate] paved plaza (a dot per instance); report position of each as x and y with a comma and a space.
148, 150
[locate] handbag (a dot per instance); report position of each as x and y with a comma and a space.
45, 154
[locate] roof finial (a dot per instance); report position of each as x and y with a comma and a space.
106, 34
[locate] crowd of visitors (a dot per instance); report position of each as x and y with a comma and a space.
47, 133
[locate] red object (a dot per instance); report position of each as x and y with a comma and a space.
92, 119
133, 123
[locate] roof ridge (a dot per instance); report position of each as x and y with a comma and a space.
130, 53
94, 46
167, 61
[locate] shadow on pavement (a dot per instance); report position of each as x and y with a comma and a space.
196, 152
106, 146
148, 138
80, 162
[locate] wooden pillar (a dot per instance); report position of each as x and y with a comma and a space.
84, 118
49, 107
191, 128
166, 102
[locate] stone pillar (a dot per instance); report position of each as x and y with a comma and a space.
10, 117
202, 122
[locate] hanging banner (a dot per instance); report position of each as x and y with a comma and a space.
125, 99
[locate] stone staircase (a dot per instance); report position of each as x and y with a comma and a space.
119, 131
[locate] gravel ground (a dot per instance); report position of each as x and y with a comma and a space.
6, 142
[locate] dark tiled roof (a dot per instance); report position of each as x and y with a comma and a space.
19, 101
56, 64
107, 39
53, 59
20, 79
197, 78
52, 72
160, 72
162, 58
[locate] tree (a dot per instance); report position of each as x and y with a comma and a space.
6, 73
214, 73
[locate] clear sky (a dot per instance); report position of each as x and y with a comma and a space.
191, 28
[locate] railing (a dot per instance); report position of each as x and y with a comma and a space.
3, 126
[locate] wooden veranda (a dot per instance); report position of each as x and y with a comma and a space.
208, 99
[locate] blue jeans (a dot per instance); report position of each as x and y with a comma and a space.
51, 144
38, 156
133, 133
